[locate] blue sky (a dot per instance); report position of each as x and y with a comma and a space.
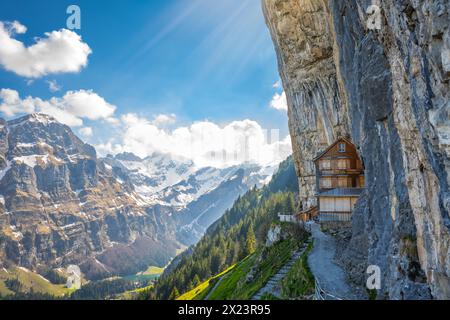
197, 60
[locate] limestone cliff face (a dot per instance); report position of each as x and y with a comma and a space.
317, 112
387, 90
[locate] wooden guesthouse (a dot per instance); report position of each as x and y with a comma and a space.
339, 183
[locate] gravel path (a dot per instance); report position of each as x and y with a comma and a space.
330, 276
272, 286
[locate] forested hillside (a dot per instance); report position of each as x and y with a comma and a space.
233, 237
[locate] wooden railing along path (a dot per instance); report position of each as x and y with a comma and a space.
321, 294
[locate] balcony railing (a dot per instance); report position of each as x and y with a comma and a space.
337, 171
287, 217
335, 216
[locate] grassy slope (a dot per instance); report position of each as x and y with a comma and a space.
4, 291
203, 288
133, 294
230, 282
235, 286
265, 261
299, 281
152, 270
30, 280
151, 273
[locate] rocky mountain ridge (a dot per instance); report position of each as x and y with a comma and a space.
153, 174
62, 205
167, 181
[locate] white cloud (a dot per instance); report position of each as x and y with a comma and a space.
58, 52
279, 101
12, 104
113, 121
109, 148
205, 142
86, 132
18, 28
53, 107
278, 84
164, 119
87, 104
71, 109
53, 85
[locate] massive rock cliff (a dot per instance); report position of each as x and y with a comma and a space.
387, 89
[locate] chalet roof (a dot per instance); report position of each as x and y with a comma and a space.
321, 154
341, 192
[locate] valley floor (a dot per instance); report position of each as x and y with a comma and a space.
21, 283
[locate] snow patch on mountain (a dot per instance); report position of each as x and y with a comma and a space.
34, 160
162, 180
35, 117
152, 174
5, 170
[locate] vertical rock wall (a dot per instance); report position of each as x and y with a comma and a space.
388, 90
317, 112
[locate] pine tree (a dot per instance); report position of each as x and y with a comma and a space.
196, 280
290, 205
251, 240
174, 294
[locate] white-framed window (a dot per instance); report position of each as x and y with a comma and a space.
327, 204
343, 182
325, 182
343, 164
325, 164
341, 147
343, 205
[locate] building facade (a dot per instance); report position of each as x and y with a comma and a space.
339, 181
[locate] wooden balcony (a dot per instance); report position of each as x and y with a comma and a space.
308, 214
335, 216
338, 171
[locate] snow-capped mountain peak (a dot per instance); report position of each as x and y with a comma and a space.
164, 180
153, 173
